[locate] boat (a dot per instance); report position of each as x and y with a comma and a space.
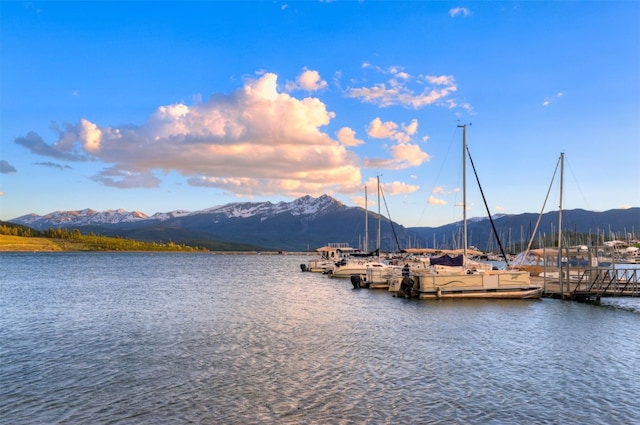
370, 273
462, 278
330, 254
541, 262
364, 271
631, 255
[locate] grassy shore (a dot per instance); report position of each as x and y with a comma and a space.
10, 243
19, 243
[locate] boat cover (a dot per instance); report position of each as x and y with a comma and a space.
448, 260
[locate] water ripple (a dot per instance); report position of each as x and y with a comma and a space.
149, 338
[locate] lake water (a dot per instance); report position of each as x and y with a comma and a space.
137, 338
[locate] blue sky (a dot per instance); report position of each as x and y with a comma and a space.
159, 106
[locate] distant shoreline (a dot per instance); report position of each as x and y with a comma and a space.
39, 244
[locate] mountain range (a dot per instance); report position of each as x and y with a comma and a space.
308, 223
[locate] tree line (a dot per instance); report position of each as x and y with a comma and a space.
92, 241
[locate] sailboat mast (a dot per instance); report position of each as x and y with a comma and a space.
379, 218
366, 221
560, 208
464, 190
560, 224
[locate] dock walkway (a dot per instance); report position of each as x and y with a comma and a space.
592, 284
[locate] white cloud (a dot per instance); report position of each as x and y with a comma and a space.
360, 201
253, 141
459, 11
412, 128
549, 100
398, 188
404, 154
409, 155
442, 80
388, 188
402, 89
347, 137
382, 130
378, 129
308, 80
435, 201
91, 135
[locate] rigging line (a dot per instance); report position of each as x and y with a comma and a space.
586, 201
493, 226
393, 229
440, 171
535, 229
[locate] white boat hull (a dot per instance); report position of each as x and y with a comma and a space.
349, 269
497, 284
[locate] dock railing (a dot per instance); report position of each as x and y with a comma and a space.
619, 282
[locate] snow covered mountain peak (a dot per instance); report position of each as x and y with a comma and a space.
301, 206
306, 205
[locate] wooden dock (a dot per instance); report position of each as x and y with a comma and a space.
592, 284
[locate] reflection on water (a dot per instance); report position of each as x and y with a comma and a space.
175, 338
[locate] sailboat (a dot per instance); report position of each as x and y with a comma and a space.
466, 280
365, 271
560, 265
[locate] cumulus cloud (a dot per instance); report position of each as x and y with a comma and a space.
6, 168
347, 137
404, 154
409, 155
388, 188
254, 141
399, 188
360, 201
436, 201
389, 130
438, 193
382, 130
308, 80
403, 89
391, 188
459, 11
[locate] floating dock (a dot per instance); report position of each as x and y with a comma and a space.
592, 284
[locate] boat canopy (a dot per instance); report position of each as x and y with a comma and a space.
434, 251
448, 260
